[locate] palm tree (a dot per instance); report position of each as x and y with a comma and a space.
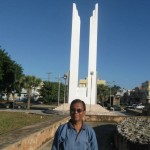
30, 82
102, 93
115, 89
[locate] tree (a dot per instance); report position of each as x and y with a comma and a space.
45, 91
49, 91
115, 89
9, 72
102, 93
29, 82
54, 92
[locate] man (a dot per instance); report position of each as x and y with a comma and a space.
75, 135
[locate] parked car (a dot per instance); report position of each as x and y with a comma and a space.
114, 108
4, 105
140, 106
20, 105
13, 105
133, 106
32, 101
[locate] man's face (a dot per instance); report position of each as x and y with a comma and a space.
77, 112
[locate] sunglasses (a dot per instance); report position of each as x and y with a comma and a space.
76, 110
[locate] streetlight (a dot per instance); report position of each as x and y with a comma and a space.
91, 73
59, 89
65, 78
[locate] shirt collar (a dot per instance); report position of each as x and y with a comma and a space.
84, 126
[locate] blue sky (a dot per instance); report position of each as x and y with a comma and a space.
37, 35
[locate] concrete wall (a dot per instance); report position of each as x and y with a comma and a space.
37, 139
104, 118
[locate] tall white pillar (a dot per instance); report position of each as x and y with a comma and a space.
92, 73
87, 94
74, 56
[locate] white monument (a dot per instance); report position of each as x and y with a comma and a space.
87, 94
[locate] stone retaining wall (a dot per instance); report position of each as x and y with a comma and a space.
134, 112
37, 139
104, 118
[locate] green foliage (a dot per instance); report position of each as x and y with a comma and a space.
49, 92
102, 93
29, 82
45, 91
115, 89
54, 91
10, 71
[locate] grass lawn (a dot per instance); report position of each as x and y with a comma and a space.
10, 121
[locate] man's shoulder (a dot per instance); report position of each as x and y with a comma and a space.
63, 126
86, 126
62, 130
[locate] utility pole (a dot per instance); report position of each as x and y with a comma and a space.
49, 73
110, 84
48, 76
13, 92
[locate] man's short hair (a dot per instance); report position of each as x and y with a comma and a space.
78, 101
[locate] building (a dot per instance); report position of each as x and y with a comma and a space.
146, 97
146, 92
84, 82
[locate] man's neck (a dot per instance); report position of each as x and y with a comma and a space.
77, 125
